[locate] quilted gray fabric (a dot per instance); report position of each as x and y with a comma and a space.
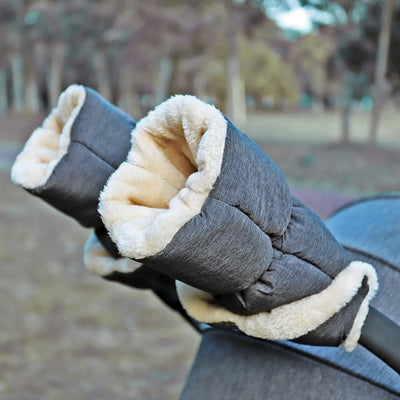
254, 246
100, 140
232, 367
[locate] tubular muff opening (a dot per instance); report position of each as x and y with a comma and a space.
175, 159
48, 143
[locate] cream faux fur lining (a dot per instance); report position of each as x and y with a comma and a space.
99, 262
48, 143
291, 320
175, 159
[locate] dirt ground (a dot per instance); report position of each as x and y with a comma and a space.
68, 335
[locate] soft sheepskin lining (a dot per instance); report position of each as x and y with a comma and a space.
99, 262
175, 159
48, 143
295, 319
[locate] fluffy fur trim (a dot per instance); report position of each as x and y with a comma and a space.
175, 159
99, 262
48, 143
295, 319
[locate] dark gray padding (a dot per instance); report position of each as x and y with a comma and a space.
253, 183
381, 241
254, 246
371, 217
247, 368
270, 290
361, 361
307, 238
100, 141
208, 243
227, 247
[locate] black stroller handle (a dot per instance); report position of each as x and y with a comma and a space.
381, 336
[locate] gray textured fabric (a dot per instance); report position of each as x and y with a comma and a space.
366, 236
270, 290
231, 367
255, 246
251, 182
380, 241
100, 141
208, 243
227, 247
360, 361
245, 368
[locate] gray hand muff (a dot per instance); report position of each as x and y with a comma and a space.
200, 202
67, 161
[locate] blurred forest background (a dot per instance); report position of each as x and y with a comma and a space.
233, 53
316, 83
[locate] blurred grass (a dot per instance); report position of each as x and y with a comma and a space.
306, 147
321, 127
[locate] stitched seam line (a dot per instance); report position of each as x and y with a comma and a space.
95, 153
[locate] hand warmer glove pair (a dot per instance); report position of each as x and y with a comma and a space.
198, 201
67, 161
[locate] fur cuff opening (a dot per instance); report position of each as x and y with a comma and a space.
99, 262
175, 159
48, 143
295, 319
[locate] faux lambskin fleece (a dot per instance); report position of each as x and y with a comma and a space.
67, 161
199, 201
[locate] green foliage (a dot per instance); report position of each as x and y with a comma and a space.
309, 57
266, 74
133, 37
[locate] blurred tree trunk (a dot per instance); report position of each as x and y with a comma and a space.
173, 87
14, 33
236, 102
54, 84
380, 69
347, 95
101, 70
32, 99
164, 79
17, 71
3, 90
199, 84
128, 100
346, 111
17, 66
236, 105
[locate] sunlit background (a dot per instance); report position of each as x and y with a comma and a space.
315, 83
